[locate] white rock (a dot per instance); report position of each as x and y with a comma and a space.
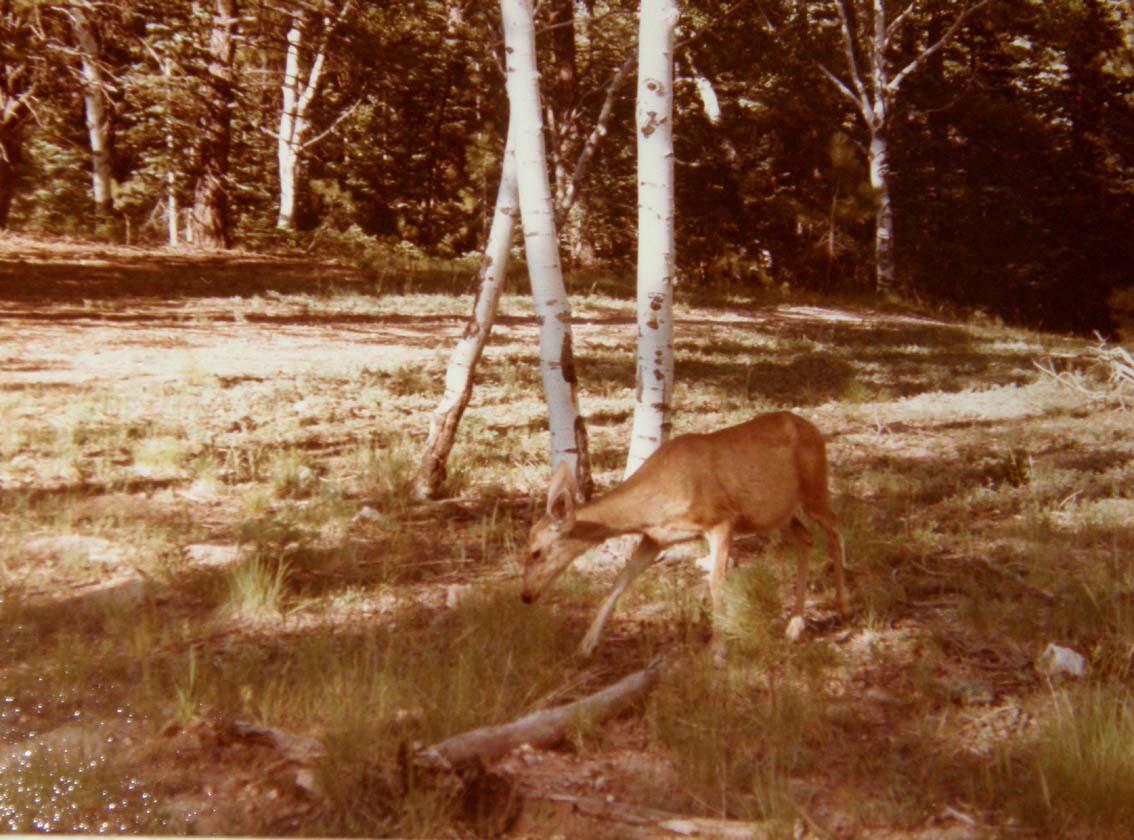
1057, 661
212, 554
368, 514
455, 593
795, 628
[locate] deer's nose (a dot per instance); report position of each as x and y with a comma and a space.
527, 597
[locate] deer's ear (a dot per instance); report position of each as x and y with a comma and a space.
561, 494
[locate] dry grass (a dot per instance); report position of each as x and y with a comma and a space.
206, 519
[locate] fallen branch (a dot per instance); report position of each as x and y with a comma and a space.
1111, 365
544, 728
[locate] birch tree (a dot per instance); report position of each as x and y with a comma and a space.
466, 355
210, 222
872, 84
162, 96
459, 374
654, 120
541, 247
300, 86
95, 85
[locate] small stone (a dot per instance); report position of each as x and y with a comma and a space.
455, 593
1060, 661
368, 514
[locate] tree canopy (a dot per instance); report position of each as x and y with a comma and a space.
1011, 149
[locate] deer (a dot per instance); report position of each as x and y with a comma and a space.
753, 478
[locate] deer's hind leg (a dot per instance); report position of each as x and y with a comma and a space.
836, 551
720, 547
797, 624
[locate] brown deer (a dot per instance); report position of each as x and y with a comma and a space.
753, 478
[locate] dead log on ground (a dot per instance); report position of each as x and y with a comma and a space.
544, 728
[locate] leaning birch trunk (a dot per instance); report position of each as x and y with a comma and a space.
458, 378
541, 247
466, 355
654, 375
94, 103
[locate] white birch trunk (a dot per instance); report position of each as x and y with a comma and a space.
466, 355
171, 209
297, 96
873, 91
291, 128
879, 160
654, 375
541, 246
171, 204
94, 103
879, 153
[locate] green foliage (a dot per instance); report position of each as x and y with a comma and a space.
1012, 153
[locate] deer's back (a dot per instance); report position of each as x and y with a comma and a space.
755, 474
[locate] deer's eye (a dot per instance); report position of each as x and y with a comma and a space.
533, 556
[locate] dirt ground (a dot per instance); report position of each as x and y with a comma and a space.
131, 323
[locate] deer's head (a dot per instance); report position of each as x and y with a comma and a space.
553, 542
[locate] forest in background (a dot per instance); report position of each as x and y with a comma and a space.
1011, 148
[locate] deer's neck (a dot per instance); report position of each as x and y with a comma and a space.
621, 511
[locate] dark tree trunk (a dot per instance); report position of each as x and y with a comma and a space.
210, 198
563, 127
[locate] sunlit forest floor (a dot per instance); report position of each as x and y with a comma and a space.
221, 612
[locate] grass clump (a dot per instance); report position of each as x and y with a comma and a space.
160, 456
1079, 770
737, 737
258, 588
385, 472
292, 477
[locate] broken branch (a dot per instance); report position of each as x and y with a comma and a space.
543, 728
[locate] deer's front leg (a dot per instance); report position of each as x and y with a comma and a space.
644, 555
720, 545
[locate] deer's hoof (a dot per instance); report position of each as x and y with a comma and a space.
795, 628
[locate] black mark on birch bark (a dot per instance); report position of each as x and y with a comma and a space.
567, 361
